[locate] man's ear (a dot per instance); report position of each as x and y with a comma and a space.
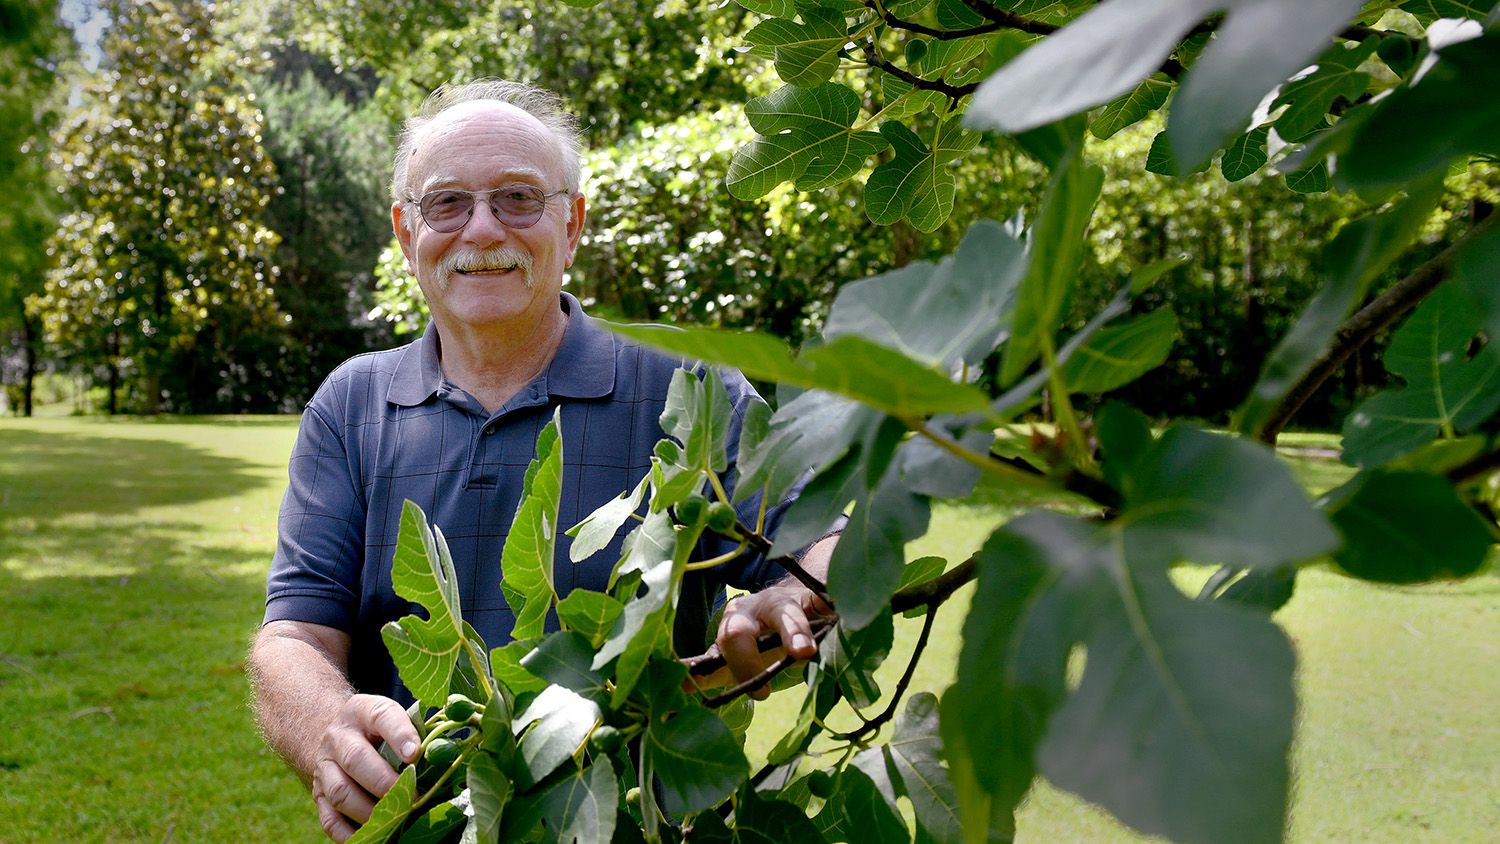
578, 207
403, 234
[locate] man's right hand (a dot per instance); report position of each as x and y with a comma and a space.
348, 773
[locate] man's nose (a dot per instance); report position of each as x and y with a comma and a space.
484, 227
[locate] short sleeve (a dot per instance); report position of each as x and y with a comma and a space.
315, 574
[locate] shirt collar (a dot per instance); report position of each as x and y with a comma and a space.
583, 368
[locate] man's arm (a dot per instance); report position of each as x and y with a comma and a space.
783, 608
313, 719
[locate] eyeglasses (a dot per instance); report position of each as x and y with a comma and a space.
517, 206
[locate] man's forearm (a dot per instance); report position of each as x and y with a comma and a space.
299, 685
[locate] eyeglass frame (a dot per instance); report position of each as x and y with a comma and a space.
474, 196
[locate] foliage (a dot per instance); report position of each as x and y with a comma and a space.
30, 47
591, 57
331, 215
1082, 659
161, 272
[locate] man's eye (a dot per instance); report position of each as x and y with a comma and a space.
443, 200
519, 195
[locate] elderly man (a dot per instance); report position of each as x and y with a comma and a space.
488, 214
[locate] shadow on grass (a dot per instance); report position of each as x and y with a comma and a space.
48, 475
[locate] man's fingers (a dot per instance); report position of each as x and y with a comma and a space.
384, 718
347, 798
741, 652
335, 825
795, 631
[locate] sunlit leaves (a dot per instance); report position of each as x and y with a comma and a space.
850, 366
806, 137
390, 813
915, 184
528, 554
163, 261
1106, 52
1133, 107
1119, 354
806, 53
559, 720
1448, 389
1246, 155
1260, 44
424, 650
1309, 98
591, 535
1384, 150
1102, 55
580, 807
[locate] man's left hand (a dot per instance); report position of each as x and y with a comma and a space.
783, 609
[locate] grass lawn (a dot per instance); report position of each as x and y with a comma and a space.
132, 561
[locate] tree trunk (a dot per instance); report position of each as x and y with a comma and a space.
28, 383
114, 373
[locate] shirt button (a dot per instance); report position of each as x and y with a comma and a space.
489, 429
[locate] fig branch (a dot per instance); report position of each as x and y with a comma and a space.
1402, 297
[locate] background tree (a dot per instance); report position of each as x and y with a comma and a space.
162, 274
31, 45
330, 211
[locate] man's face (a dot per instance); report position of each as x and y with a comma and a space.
487, 275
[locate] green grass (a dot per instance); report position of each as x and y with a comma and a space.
132, 564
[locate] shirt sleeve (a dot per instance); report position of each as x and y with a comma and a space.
315, 575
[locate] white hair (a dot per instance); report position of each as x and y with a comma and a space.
540, 103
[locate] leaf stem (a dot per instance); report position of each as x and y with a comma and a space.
719, 560
973, 458
1062, 409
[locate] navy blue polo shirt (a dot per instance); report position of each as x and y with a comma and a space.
386, 427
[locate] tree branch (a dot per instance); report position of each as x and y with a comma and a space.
937, 34
1010, 20
762, 546
712, 659
821, 627
952, 92
928, 594
901, 685
1475, 469
1401, 298
936, 590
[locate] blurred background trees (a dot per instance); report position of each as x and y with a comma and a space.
197, 214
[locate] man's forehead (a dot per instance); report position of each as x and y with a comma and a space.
530, 148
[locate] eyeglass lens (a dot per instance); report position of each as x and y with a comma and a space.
517, 206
